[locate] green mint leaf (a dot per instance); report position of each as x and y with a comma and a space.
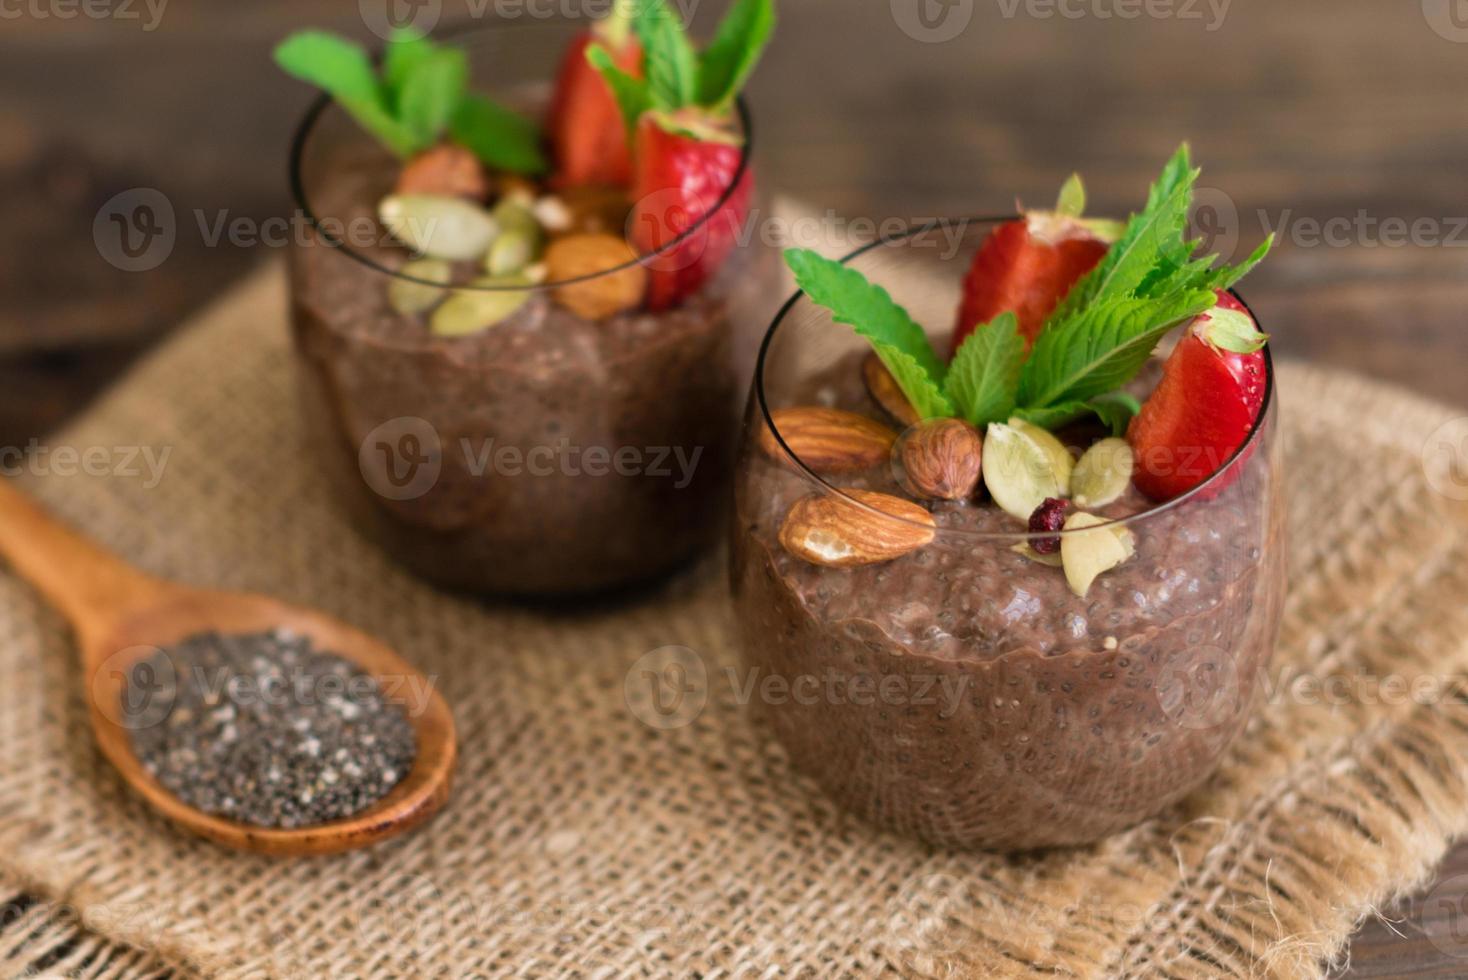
503, 139
735, 50
1227, 277
1154, 234
983, 380
633, 95
432, 91
927, 399
1116, 409
1054, 417
406, 49
865, 306
1072, 202
1102, 347
344, 71
672, 62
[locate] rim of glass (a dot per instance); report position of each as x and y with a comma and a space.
467, 34
1255, 434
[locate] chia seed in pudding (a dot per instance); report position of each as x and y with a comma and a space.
265, 730
1067, 718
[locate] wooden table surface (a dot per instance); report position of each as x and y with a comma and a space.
1338, 123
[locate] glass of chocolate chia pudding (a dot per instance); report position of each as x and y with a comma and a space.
934, 664
547, 405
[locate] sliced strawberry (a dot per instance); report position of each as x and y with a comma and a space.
1212, 391
588, 136
1026, 267
1018, 271
680, 180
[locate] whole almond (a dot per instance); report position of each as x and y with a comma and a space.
939, 459
884, 390
829, 529
575, 256
448, 170
829, 440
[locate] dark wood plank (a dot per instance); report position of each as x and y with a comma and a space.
1310, 111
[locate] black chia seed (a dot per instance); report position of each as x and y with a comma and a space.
262, 729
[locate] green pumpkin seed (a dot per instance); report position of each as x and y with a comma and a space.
439, 227
512, 252
1052, 561
470, 311
1061, 460
1103, 474
411, 298
1017, 471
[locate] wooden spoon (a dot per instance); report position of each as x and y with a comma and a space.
120, 615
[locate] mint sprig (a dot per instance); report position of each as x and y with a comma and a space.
902, 345
420, 96
343, 70
678, 76
734, 52
1102, 334
983, 380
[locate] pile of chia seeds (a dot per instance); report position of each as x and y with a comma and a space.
262, 729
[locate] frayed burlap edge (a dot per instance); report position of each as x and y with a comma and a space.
1312, 824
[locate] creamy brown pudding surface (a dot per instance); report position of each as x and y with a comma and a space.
572, 455
1014, 713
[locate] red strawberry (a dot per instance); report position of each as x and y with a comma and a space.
687, 151
680, 180
1027, 267
1210, 396
588, 136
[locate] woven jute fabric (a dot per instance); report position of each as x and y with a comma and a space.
582, 840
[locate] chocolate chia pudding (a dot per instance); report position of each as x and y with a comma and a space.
1011, 583
570, 455
516, 300
967, 696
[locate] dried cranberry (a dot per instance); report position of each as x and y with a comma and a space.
1049, 516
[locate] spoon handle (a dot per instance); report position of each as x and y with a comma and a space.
87, 584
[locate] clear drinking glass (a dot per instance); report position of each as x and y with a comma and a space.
548, 455
963, 694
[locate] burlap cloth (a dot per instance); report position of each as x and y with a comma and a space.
582, 840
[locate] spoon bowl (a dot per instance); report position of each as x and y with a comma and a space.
121, 616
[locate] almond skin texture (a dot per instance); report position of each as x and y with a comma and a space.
827, 529
884, 390
449, 170
829, 440
939, 459
575, 256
